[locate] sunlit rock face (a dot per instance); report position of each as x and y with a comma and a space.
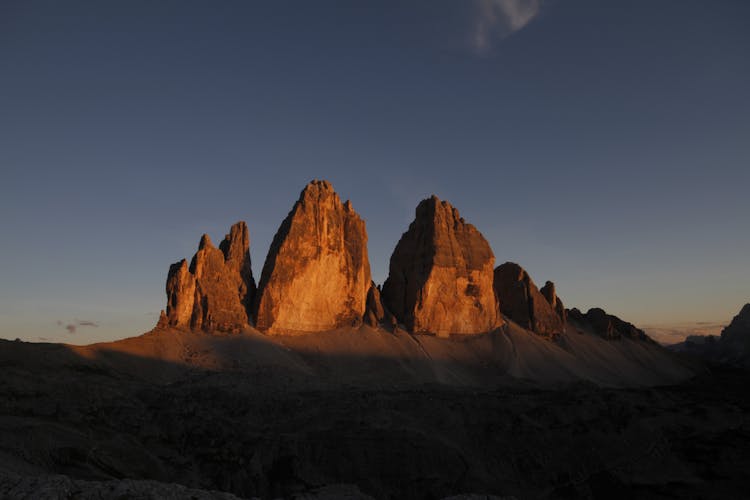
522, 302
441, 275
236, 249
180, 294
317, 273
214, 292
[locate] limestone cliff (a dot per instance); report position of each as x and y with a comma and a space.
440, 278
214, 292
522, 302
317, 273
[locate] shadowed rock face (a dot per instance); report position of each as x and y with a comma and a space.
235, 247
440, 278
548, 291
738, 331
317, 273
606, 325
522, 302
214, 292
374, 313
731, 348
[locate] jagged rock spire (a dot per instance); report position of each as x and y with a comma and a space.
317, 273
215, 291
522, 302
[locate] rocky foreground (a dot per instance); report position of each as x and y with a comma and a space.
177, 414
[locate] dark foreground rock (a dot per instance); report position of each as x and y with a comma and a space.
253, 436
60, 487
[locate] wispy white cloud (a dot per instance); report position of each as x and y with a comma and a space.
497, 19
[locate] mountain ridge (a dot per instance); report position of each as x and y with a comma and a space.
316, 277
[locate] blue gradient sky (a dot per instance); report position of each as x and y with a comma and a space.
602, 145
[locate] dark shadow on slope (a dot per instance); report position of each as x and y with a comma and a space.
279, 429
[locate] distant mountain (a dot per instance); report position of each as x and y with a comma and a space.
441, 275
442, 282
731, 347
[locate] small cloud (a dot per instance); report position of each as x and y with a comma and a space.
498, 19
73, 327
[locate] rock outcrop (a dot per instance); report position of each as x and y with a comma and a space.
605, 325
58, 486
732, 347
738, 331
521, 301
317, 273
548, 291
734, 343
215, 291
374, 311
440, 278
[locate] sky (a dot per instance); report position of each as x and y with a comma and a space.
602, 145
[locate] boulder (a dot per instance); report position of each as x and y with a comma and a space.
521, 301
440, 278
317, 273
214, 292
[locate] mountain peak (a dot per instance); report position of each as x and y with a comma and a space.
214, 292
317, 273
440, 278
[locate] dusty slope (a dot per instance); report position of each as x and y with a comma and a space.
279, 427
293, 417
375, 357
